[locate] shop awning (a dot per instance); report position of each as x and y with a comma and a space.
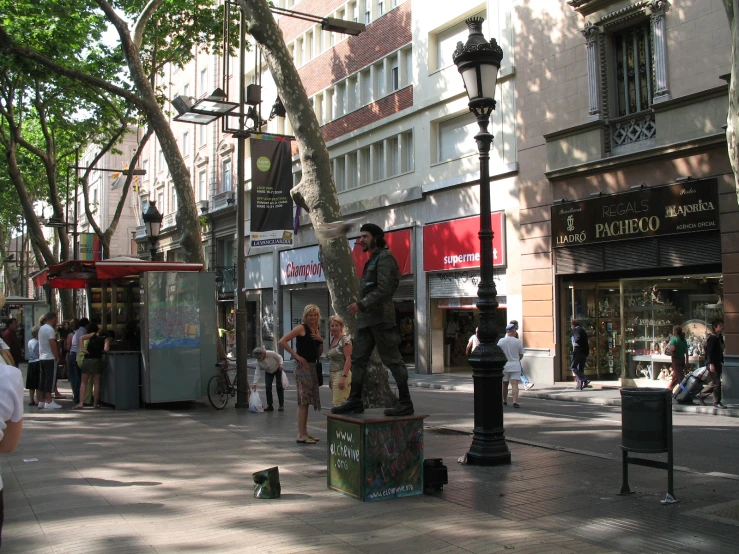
76, 274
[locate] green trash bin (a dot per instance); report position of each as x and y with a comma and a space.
646, 427
646, 419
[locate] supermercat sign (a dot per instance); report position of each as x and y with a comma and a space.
647, 212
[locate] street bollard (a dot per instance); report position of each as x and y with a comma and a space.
646, 427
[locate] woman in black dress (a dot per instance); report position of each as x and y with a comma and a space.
308, 348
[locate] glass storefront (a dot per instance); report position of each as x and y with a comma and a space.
454, 321
629, 322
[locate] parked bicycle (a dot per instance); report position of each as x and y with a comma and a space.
220, 387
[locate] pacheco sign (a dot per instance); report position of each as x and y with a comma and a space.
680, 208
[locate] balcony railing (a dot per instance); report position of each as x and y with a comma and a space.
222, 200
226, 281
170, 220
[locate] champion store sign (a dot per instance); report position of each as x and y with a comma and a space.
301, 266
455, 244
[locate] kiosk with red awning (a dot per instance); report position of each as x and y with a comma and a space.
163, 312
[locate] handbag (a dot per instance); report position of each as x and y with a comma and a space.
284, 379
319, 373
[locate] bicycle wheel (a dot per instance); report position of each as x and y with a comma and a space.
217, 392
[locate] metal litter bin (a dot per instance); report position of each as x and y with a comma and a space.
646, 419
646, 427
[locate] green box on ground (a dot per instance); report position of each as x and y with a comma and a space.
374, 457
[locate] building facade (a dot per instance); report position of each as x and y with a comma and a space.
627, 197
104, 191
607, 108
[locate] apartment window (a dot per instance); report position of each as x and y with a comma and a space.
186, 90
202, 185
203, 81
173, 199
380, 7
309, 46
161, 160
633, 67
365, 79
186, 143
330, 112
160, 199
378, 159
145, 167
226, 171
94, 197
380, 85
354, 9
351, 170
368, 15
393, 165
340, 98
202, 135
364, 166
394, 76
340, 173
406, 152
351, 94
457, 137
446, 42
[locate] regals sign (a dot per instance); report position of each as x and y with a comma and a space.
646, 212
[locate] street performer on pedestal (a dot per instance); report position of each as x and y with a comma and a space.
376, 323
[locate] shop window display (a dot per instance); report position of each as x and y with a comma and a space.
630, 321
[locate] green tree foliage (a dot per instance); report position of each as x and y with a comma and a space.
64, 38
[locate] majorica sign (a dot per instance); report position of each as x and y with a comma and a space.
681, 208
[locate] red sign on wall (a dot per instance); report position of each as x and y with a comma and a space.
398, 242
455, 244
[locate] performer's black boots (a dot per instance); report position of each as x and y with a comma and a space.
404, 406
353, 403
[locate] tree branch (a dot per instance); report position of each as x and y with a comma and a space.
8, 46
127, 185
144, 17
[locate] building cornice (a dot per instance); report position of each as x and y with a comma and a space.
650, 154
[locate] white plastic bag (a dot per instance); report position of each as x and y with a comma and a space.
255, 403
285, 381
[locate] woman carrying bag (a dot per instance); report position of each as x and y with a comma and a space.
308, 349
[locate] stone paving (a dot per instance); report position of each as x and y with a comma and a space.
179, 480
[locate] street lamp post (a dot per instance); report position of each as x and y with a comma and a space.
479, 62
153, 221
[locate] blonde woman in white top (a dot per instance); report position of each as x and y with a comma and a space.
339, 360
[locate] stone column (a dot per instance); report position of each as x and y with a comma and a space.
661, 87
591, 32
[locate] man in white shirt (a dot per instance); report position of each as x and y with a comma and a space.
49, 357
513, 349
271, 363
11, 417
473, 343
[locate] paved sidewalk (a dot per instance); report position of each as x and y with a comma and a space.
604, 393
179, 479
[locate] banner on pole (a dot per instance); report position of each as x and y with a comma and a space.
89, 247
271, 181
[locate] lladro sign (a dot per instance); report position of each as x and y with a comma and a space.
681, 208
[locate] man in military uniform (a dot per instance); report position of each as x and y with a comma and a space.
376, 323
